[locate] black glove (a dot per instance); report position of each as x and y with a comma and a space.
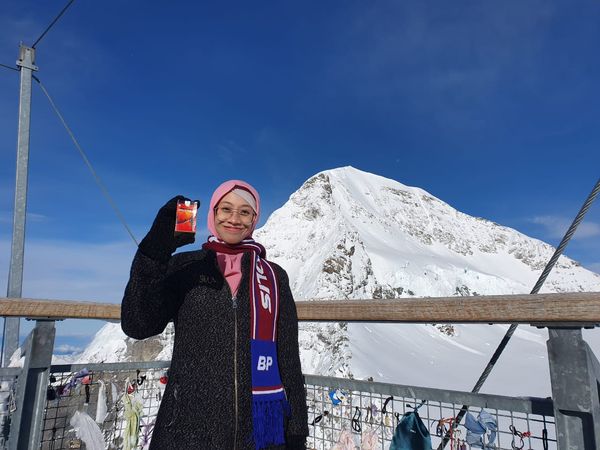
295, 442
161, 241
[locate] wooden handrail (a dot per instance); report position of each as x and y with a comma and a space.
570, 308
565, 308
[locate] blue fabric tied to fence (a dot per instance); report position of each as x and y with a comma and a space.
411, 434
484, 425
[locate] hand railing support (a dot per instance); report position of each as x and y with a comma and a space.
26, 425
575, 378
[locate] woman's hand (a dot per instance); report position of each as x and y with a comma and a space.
161, 241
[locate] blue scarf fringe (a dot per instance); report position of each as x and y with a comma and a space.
268, 418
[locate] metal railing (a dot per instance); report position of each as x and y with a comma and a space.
362, 408
39, 410
83, 387
362, 413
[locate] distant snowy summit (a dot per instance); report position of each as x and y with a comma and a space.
349, 234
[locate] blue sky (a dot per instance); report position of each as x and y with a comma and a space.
494, 107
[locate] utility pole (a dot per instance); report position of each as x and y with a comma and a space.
26, 62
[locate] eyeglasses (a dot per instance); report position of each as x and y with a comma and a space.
246, 215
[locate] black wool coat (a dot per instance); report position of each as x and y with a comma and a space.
207, 402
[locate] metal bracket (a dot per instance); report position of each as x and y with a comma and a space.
27, 58
574, 376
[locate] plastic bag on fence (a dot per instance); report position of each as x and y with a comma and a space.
101, 408
411, 434
88, 431
344, 442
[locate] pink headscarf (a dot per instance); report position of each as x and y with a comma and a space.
231, 265
221, 192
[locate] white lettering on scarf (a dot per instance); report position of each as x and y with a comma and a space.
264, 362
265, 292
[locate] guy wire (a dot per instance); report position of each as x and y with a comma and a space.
88, 163
52, 23
9, 67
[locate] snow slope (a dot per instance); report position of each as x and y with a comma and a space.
349, 234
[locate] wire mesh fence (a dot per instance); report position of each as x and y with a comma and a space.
122, 401
8, 402
365, 414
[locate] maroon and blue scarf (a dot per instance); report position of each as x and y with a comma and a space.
269, 403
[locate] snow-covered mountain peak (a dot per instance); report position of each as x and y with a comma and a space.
346, 233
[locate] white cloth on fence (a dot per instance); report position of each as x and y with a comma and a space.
114, 393
88, 431
101, 408
132, 413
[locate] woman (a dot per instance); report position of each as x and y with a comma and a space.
235, 380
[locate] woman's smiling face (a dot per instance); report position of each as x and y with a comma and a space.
234, 218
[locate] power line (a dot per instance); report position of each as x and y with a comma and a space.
9, 67
52, 23
88, 163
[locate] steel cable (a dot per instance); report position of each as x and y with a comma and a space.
9, 67
511, 330
88, 163
52, 23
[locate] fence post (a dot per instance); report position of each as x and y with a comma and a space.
575, 378
26, 426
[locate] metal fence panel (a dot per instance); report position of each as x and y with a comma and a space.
8, 401
361, 413
77, 388
334, 405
